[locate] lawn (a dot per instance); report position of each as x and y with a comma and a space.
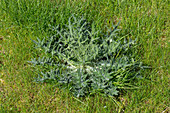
23, 21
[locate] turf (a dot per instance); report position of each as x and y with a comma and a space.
145, 20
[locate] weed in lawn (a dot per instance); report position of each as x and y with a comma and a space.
145, 20
86, 62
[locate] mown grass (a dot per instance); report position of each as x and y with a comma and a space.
145, 20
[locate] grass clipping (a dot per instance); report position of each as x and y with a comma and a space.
85, 61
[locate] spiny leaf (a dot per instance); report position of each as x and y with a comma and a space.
84, 61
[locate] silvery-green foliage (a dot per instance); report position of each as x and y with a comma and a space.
86, 61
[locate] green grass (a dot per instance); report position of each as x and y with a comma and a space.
145, 20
